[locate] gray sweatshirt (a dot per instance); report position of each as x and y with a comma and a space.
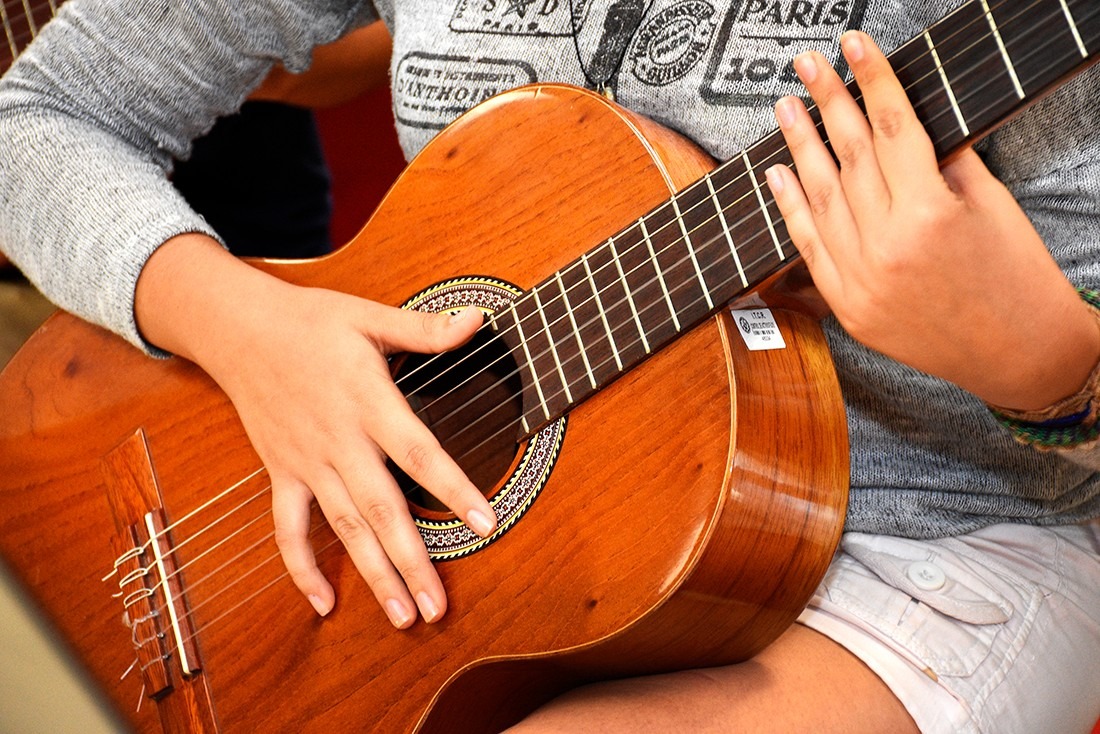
92, 115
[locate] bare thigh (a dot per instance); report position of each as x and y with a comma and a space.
802, 682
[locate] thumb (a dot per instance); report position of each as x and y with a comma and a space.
398, 330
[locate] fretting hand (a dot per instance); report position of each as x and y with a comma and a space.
938, 268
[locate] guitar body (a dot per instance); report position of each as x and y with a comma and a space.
688, 511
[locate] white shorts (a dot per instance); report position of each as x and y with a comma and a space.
994, 631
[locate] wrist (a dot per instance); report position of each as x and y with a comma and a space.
190, 291
1070, 420
1054, 348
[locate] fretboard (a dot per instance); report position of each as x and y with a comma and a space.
21, 20
722, 236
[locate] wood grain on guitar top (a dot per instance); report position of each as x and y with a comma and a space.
696, 502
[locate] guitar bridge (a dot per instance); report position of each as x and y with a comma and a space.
148, 578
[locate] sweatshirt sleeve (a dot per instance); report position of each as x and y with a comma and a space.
93, 113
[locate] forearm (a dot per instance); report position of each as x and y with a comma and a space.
83, 239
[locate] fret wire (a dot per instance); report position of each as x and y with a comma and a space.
629, 298
530, 362
34, 7
726, 231
779, 247
691, 254
553, 347
660, 276
1004, 51
8, 31
763, 205
576, 329
18, 40
603, 313
1073, 29
933, 55
30, 19
947, 85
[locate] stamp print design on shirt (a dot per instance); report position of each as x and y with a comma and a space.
543, 18
751, 63
672, 43
431, 90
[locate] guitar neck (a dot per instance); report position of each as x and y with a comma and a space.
21, 20
723, 236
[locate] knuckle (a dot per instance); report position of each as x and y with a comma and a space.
824, 97
431, 330
381, 517
930, 216
300, 566
892, 263
889, 123
419, 460
819, 200
851, 153
808, 247
300, 575
805, 137
409, 570
377, 578
286, 541
350, 528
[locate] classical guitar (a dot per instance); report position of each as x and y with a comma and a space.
667, 497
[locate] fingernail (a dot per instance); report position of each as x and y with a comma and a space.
852, 43
319, 605
785, 112
427, 607
479, 523
397, 612
456, 317
775, 179
806, 67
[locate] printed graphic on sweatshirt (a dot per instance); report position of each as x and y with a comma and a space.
751, 64
518, 17
430, 91
672, 42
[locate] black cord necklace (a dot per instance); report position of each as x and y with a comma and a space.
619, 26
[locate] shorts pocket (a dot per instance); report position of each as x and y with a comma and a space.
935, 599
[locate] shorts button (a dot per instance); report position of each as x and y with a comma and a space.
925, 575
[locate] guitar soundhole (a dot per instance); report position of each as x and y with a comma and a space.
471, 400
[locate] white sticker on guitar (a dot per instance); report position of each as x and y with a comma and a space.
758, 329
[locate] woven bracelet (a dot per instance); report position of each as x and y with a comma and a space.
1068, 423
